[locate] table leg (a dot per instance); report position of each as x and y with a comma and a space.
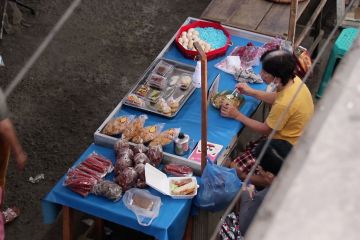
99, 228
67, 223
189, 229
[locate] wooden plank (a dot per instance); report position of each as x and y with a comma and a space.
220, 10
249, 14
276, 21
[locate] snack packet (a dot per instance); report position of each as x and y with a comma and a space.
134, 127
148, 133
117, 125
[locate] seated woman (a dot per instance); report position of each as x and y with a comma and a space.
287, 117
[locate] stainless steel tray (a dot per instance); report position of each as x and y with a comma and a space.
175, 91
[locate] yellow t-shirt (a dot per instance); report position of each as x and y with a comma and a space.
298, 115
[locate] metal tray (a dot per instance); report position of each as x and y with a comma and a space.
175, 91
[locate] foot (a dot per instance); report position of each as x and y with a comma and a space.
10, 214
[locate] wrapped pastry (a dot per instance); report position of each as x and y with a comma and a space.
134, 127
162, 106
185, 81
135, 100
117, 125
127, 178
149, 133
165, 137
174, 103
155, 154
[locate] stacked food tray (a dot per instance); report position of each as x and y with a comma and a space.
164, 89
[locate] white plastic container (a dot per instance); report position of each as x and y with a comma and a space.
160, 182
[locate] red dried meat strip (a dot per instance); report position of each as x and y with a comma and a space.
90, 171
178, 170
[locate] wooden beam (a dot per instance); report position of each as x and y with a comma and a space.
204, 105
311, 21
340, 11
292, 21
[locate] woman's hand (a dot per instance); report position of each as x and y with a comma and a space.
229, 111
243, 88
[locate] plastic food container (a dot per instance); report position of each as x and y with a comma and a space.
145, 205
202, 24
160, 182
157, 81
163, 68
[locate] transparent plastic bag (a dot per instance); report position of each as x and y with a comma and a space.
145, 205
148, 133
134, 127
165, 137
108, 189
117, 125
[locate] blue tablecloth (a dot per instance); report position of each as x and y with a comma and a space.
170, 224
220, 129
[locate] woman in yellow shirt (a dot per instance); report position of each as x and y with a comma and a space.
278, 67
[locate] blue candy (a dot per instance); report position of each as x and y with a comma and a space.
215, 37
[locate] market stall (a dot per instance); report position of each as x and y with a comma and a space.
172, 218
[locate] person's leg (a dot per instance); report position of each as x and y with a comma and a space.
4, 161
249, 207
10, 214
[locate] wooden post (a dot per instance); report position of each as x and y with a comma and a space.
292, 21
204, 104
99, 228
67, 223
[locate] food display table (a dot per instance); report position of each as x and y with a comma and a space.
172, 219
170, 224
220, 130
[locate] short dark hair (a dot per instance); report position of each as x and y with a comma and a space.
279, 63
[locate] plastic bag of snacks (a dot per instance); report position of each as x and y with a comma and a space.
165, 137
148, 133
108, 189
117, 125
134, 127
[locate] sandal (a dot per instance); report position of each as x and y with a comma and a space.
10, 214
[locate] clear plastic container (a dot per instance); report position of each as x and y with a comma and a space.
145, 205
163, 68
157, 81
